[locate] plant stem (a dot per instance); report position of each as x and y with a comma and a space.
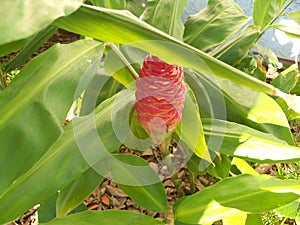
123, 59
3, 78
170, 214
192, 182
177, 182
274, 19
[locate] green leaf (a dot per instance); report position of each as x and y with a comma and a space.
238, 218
254, 219
191, 131
136, 7
119, 70
47, 209
227, 197
78, 145
290, 113
287, 79
221, 167
31, 46
18, 16
291, 31
137, 179
111, 25
295, 15
76, 192
237, 46
223, 99
115, 217
111, 4
243, 166
289, 210
214, 24
34, 101
12, 46
265, 10
34, 186
166, 15
244, 142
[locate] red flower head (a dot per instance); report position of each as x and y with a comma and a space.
160, 94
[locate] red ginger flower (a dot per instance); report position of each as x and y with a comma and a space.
160, 91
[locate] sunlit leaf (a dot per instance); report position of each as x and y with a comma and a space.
295, 15
166, 15
287, 79
244, 142
214, 24
237, 46
227, 197
265, 10
291, 31
223, 99
18, 16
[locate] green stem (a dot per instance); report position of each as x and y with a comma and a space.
170, 214
123, 59
192, 182
3, 78
177, 182
274, 19
164, 146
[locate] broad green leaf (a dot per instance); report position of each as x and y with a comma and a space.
214, 24
296, 90
287, 79
31, 46
40, 98
79, 151
47, 209
295, 15
223, 99
290, 210
136, 7
76, 192
220, 167
227, 197
235, 218
237, 46
12, 46
18, 16
191, 131
102, 86
112, 4
166, 15
265, 10
291, 31
254, 219
243, 166
133, 175
119, 70
115, 217
244, 142
111, 25
290, 113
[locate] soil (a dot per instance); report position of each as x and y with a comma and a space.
108, 195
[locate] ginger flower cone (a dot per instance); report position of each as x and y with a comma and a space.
160, 95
